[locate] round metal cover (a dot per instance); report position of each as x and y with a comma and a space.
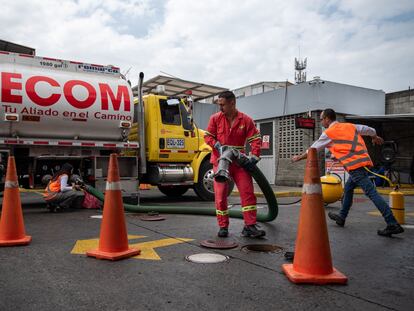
207, 258
263, 248
219, 244
152, 218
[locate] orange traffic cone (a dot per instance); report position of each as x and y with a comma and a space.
11, 224
113, 239
312, 262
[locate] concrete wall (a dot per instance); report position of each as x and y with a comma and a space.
399, 102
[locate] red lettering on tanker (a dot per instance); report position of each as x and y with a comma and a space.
80, 104
7, 86
44, 98
116, 102
41, 101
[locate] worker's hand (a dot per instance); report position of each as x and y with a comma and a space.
376, 140
298, 157
76, 187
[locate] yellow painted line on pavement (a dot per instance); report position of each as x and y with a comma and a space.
278, 194
408, 192
285, 194
147, 248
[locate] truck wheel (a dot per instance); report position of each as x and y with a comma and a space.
173, 191
205, 186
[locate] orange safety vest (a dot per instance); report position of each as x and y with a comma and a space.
53, 187
348, 146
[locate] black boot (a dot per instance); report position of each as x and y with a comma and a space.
391, 229
223, 233
338, 219
253, 232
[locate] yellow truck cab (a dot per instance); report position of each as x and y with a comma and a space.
176, 156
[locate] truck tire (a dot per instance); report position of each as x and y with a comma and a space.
205, 186
173, 191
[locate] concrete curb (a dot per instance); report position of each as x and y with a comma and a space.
278, 194
387, 191
287, 194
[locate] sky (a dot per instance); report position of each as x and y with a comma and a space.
227, 43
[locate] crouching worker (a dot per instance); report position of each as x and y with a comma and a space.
59, 195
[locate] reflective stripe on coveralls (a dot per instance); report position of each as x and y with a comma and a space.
249, 208
222, 213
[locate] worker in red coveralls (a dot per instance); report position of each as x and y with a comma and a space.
232, 128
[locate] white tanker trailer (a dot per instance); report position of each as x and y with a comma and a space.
55, 111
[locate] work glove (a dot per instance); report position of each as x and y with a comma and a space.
250, 165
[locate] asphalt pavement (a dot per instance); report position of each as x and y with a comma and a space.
53, 272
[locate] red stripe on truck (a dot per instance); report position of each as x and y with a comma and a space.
65, 143
26, 55
40, 142
88, 144
109, 145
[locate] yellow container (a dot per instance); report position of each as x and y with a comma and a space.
397, 206
332, 189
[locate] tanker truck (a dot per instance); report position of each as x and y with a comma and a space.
55, 111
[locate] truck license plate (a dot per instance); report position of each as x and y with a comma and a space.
175, 143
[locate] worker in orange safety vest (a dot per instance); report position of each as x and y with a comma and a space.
59, 195
345, 143
232, 128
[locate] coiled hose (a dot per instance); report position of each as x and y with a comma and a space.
256, 173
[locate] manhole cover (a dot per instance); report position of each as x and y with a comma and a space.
262, 248
220, 244
152, 218
207, 258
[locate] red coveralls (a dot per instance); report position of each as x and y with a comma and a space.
242, 130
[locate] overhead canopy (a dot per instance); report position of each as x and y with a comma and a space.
409, 117
16, 48
179, 87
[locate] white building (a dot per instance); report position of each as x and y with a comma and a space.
275, 112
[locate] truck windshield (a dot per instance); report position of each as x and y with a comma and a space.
170, 113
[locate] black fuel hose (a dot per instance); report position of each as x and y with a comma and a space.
256, 173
